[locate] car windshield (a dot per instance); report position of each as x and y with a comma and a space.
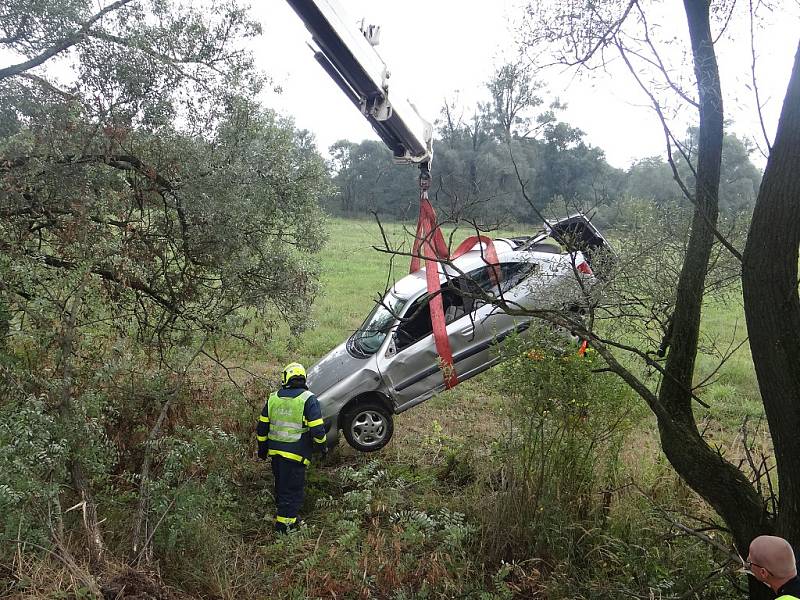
369, 337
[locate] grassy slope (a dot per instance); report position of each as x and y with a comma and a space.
402, 523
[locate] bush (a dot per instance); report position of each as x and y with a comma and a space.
561, 447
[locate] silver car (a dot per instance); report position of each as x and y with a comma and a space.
390, 363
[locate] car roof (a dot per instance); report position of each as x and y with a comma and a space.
508, 249
416, 282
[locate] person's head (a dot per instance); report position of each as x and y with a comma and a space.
771, 561
293, 375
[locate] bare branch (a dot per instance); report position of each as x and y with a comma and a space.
732, 556
669, 136
42, 82
725, 359
658, 63
759, 106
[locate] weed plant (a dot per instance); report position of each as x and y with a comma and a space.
560, 448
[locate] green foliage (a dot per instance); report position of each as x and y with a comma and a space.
561, 446
415, 518
652, 178
149, 211
367, 180
474, 175
487, 153
32, 463
193, 493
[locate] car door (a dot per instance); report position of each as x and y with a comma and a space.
477, 334
408, 363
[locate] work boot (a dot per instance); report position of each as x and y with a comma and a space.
287, 527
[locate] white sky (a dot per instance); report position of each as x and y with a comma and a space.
439, 49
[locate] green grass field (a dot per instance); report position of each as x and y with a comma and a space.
454, 435
445, 509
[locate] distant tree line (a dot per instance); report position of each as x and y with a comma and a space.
484, 156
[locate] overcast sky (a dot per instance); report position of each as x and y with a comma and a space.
439, 49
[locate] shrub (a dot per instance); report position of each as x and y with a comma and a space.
565, 429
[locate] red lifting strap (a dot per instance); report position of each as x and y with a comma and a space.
429, 244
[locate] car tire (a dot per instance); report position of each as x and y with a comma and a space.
368, 426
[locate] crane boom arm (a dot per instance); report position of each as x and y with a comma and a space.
352, 62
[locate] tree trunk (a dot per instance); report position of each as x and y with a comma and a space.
686, 319
719, 482
91, 525
772, 305
141, 528
94, 537
473, 177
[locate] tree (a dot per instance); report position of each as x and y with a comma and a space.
572, 170
653, 178
772, 306
480, 158
513, 94
147, 210
623, 28
366, 179
479, 151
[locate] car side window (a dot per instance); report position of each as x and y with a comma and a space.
515, 273
480, 281
417, 320
460, 296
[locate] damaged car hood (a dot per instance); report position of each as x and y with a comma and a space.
333, 368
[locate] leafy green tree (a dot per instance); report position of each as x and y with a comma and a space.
571, 169
147, 210
653, 179
481, 154
367, 180
514, 94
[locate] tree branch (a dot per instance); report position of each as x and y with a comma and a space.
678, 179
64, 44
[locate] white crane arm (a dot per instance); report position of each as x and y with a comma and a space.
351, 61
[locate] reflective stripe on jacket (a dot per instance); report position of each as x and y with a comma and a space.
290, 424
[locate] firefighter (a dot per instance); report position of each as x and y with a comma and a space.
289, 429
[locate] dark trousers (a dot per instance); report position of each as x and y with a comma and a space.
290, 480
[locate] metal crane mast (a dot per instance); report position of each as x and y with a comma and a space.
348, 56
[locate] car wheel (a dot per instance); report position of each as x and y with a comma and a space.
368, 427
